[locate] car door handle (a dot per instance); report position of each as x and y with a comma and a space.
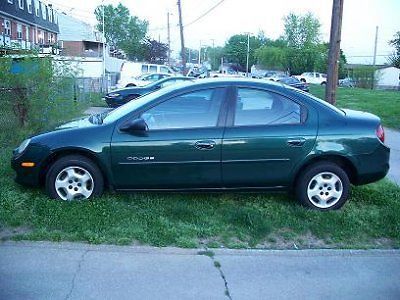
296, 142
204, 145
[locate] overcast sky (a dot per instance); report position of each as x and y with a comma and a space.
238, 16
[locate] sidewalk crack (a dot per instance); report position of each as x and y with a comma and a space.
217, 264
78, 269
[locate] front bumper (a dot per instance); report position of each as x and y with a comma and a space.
28, 175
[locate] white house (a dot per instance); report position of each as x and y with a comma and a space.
387, 78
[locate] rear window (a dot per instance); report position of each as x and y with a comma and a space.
153, 69
145, 69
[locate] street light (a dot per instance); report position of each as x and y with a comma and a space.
248, 52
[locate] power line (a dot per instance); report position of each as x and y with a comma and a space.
204, 14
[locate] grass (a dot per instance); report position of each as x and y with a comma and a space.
371, 218
385, 104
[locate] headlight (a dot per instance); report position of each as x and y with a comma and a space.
23, 146
113, 95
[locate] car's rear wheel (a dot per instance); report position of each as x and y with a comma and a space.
323, 186
130, 85
74, 177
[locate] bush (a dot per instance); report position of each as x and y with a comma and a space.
35, 93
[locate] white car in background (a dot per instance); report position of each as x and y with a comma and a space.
132, 71
146, 79
312, 77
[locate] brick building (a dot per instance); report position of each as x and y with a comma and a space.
28, 24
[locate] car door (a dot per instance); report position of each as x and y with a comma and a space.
180, 149
267, 134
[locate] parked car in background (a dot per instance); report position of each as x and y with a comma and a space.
312, 77
119, 97
274, 76
294, 82
213, 134
147, 78
347, 82
130, 71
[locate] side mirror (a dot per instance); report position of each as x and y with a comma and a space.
136, 126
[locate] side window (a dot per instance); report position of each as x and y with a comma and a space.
164, 70
257, 107
192, 110
317, 75
153, 69
145, 69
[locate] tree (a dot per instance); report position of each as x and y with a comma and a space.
154, 51
122, 30
236, 49
271, 57
301, 30
394, 59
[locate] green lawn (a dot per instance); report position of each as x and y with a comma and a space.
371, 219
385, 104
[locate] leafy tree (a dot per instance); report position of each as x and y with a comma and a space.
394, 59
154, 51
236, 49
271, 57
122, 30
214, 56
301, 30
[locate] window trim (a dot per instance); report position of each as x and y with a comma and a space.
221, 120
232, 109
21, 4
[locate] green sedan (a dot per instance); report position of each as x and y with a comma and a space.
211, 135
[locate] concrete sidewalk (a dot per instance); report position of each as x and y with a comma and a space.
43, 270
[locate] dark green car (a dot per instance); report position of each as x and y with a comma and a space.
212, 135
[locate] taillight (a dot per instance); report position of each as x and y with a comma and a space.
380, 133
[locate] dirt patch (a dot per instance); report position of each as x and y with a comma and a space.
7, 233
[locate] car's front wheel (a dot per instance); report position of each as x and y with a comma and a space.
74, 177
323, 186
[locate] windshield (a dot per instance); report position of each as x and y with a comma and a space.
138, 102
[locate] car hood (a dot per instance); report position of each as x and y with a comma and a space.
78, 123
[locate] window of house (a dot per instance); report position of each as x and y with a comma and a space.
193, 110
40, 37
29, 5
50, 13
37, 8
27, 33
7, 27
19, 31
257, 107
44, 11
21, 4
145, 69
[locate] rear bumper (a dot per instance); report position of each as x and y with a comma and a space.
374, 166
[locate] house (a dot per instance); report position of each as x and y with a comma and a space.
28, 24
387, 78
78, 38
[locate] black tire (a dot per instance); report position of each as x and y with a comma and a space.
323, 83
303, 80
305, 178
76, 161
130, 85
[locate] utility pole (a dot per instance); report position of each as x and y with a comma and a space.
334, 50
376, 45
169, 40
104, 50
199, 58
248, 52
183, 55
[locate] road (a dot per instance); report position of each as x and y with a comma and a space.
43, 270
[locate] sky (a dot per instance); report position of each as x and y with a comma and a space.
360, 19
